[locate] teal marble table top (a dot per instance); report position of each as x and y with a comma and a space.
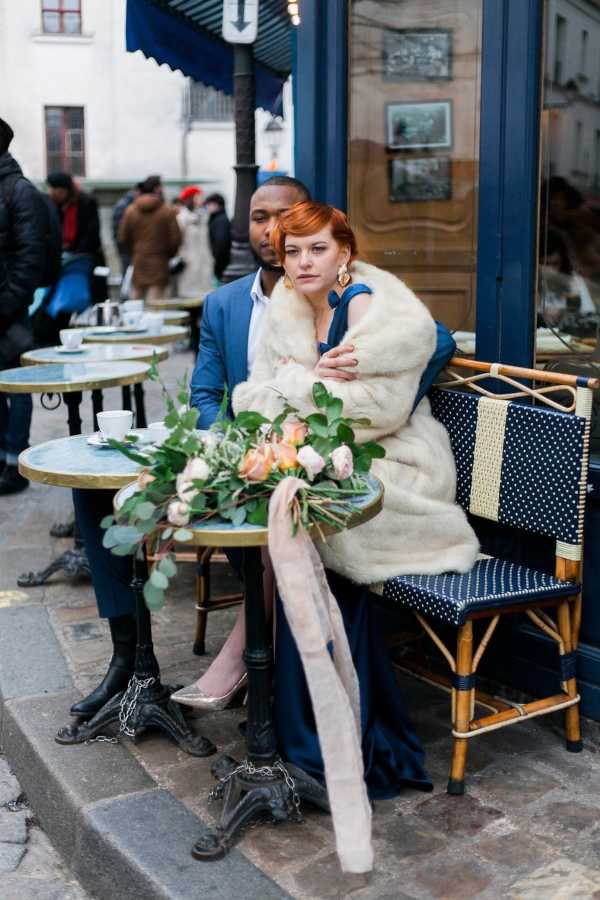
168, 334
219, 533
95, 353
72, 462
66, 377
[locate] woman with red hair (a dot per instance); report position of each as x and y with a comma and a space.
367, 337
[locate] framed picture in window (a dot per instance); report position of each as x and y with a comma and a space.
413, 179
417, 54
419, 125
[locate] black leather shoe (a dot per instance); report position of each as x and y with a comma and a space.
120, 669
11, 481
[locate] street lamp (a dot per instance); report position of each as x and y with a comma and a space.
273, 133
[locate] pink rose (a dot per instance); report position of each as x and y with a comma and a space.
310, 461
178, 512
294, 432
342, 462
258, 464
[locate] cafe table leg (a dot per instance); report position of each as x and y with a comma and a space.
140, 410
74, 562
146, 703
97, 406
126, 396
261, 783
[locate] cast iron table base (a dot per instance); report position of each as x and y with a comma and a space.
261, 783
146, 703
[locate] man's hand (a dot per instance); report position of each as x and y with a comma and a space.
336, 362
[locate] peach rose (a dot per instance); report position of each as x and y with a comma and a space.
287, 456
342, 462
144, 479
178, 512
294, 432
258, 464
310, 460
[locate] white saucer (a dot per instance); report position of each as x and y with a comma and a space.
103, 329
132, 329
98, 440
70, 349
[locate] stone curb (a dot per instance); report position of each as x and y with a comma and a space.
123, 837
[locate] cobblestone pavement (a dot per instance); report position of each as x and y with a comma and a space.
30, 868
528, 828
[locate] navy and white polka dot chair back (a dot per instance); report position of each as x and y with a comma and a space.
519, 464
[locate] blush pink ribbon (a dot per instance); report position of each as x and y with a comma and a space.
315, 621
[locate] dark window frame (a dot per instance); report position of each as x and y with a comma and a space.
61, 12
64, 159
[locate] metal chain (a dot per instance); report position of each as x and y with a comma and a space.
126, 709
248, 768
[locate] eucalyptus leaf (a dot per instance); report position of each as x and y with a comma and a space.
159, 579
182, 535
120, 534
154, 597
167, 567
145, 510
107, 521
124, 550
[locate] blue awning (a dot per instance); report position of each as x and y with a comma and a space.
185, 34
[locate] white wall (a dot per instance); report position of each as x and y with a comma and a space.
133, 107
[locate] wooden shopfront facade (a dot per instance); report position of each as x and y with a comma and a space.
463, 139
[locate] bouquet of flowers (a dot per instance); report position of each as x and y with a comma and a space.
230, 472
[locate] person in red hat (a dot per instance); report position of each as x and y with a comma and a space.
195, 278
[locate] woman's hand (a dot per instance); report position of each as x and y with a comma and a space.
336, 362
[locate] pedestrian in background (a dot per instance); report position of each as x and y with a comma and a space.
22, 260
117, 215
149, 232
195, 279
219, 233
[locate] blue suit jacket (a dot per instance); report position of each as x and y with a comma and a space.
223, 356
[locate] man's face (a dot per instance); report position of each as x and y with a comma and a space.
266, 205
58, 195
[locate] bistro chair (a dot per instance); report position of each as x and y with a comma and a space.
522, 464
204, 558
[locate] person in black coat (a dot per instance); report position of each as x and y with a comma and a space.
22, 260
219, 233
78, 212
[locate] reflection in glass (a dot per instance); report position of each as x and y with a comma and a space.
568, 299
414, 147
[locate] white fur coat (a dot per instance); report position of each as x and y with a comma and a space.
420, 529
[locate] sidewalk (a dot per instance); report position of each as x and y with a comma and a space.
125, 816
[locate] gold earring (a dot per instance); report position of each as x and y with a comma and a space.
287, 282
343, 276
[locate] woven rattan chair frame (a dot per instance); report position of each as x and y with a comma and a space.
542, 388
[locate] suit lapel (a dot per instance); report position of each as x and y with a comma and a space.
240, 313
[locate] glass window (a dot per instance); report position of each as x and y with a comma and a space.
61, 16
65, 139
568, 295
203, 103
414, 147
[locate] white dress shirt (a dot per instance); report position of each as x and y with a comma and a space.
259, 305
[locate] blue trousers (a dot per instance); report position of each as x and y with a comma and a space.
15, 421
111, 575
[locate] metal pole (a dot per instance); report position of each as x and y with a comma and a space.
242, 260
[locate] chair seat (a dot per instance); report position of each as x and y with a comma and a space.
491, 583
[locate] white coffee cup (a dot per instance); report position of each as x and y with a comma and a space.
115, 423
153, 322
132, 306
71, 338
158, 432
132, 317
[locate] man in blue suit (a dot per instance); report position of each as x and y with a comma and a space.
231, 323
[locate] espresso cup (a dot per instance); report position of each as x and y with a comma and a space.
132, 317
115, 423
153, 322
71, 338
158, 432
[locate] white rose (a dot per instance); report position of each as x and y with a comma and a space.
185, 489
178, 512
210, 441
196, 470
310, 460
342, 462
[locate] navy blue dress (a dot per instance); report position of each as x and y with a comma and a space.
392, 754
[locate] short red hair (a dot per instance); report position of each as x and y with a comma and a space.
309, 217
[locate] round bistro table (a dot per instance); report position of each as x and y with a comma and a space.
176, 317
261, 783
68, 381
193, 304
169, 334
72, 463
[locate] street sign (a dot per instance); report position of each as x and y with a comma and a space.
240, 21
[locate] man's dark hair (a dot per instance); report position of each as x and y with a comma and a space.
6, 136
60, 180
149, 184
216, 198
289, 182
